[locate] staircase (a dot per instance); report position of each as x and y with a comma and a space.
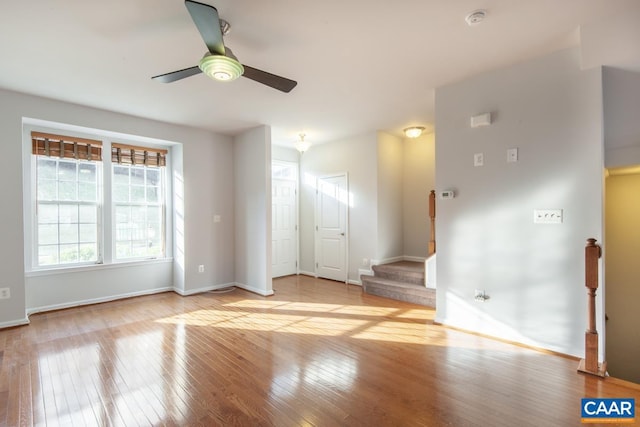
403, 281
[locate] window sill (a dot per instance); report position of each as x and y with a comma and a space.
93, 267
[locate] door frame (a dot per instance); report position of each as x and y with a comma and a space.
347, 231
296, 166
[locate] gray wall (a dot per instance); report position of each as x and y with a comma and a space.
418, 180
621, 117
252, 200
390, 236
552, 112
207, 188
358, 157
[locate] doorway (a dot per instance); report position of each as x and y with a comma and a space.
622, 270
284, 219
331, 240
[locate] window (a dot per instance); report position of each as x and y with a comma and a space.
67, 199
138, 200
77, 193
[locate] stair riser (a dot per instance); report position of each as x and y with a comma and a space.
427, 301
400, 276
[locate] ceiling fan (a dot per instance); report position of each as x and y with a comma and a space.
219, 62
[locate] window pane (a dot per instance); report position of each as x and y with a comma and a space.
137, 193
68, 253
47, 190
87, 191
48, 234
88, 233
48, 255
120, 193
137, 176
123, 250
123, 214
68, 214
47, 168
88, 214
68, 233
88, 252
153, 194
47, 214
67, 190
123, 231
67, 170
153, 215
121, 174
153, 177
88, 172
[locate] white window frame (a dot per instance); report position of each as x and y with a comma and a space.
106, 232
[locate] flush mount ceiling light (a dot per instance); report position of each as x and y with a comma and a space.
414, 131
221, 67
475, 17
302, 145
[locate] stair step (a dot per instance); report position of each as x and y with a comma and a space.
403, 271
401, 291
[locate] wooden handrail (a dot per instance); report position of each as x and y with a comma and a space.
590, 365
432, 217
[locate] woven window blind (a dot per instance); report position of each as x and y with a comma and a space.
132, 155
51, 145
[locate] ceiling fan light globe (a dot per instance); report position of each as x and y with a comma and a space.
221, 68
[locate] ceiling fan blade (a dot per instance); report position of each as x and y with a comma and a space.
208, 23
281, 83
177, 75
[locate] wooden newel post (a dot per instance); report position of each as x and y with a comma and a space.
432, 217
589, 364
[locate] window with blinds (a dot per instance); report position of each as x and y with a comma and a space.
71, 179
138, 198
68, 181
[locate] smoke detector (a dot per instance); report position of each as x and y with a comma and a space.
475, 17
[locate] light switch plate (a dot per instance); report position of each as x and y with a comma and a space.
512, 155
547, 216
478, 159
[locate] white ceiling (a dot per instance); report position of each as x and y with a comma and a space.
361, 65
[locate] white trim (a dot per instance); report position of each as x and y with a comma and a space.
85, 268
414, 258
254, 290
307, 273
52, 307
354, 282
368, 272
12, 323
386, 260
184, 293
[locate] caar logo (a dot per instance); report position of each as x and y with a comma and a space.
608, 410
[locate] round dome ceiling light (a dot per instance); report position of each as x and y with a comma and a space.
220, 67
476, 17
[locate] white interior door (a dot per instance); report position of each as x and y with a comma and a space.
284, 244
332, 201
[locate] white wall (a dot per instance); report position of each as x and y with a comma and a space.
285, 154
202, 187
252, 195
621, 117
534, 274
389, 177
418, 180
357, 156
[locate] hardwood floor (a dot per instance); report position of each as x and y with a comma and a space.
317, 353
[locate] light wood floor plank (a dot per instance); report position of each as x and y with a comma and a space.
317, 353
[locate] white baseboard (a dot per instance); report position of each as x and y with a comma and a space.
354, 282
12, 323
307, 273
52, 307
202, 289
254, 289
397, 259
414, 258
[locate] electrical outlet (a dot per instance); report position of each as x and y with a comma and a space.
512, 155
201, 268
365, 262
5, 293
